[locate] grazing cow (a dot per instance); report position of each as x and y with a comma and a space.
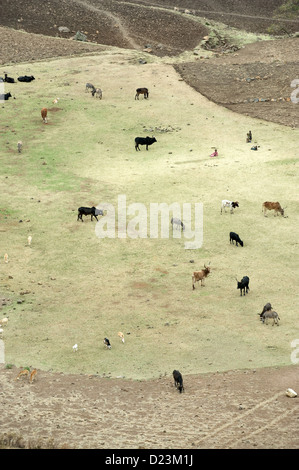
234, 236
271, 314
89, 87
44, 113
231, 204
178, 380
266, 308
141, 91
275, 206
87, 211
107, 343
26, 78
8, 79
5, 96
178, 223
144, 141
243, 285
97, 92
200, 275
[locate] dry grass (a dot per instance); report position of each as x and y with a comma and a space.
80, 288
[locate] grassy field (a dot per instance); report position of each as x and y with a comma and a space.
78, 288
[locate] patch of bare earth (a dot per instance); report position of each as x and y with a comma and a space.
231, 410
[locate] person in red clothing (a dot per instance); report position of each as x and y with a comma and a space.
214, 154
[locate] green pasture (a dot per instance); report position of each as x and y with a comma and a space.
78, 288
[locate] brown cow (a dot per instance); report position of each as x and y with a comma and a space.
44, 113
272, 206
200, 275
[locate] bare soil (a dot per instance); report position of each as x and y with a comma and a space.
233, 410
237, 409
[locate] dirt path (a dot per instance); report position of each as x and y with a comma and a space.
115, 19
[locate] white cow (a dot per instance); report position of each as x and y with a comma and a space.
226, 203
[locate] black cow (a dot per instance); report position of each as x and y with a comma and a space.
141, 91
5, 96
87, 211
26, 78
234, 236
243, 285
144, 141
8, 79
178, 380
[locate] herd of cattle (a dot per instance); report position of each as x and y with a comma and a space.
6, 79
197, 276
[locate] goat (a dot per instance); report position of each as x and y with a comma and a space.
178, 223
8, 79
272, 206
107, 343
270, 314
97, 92
141, 91
26, 78
231, 204
44, 113
200, 276
266, 308
178, 380
243, 285
144, 141
87, 211
89, 87
234, 236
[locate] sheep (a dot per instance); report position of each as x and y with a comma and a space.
20, 144
4, 321
6, 258
29, 240
75, 347
98, 92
